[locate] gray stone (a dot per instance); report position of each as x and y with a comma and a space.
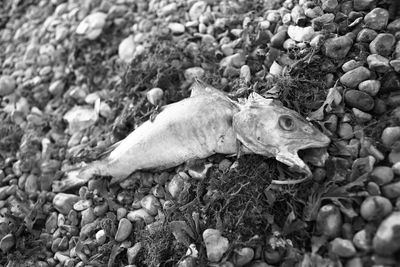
351, 65
329, 5
395, 64
391, 190
343, 247
354, 77
363, 240
366, 35
124, 230
64, 202
390, 135
278, 39
7, 85
197, 9
301, 34
383, 44
378, 63
377, 19
345, 131
394, 26
359, 100
375, 207
361, 116
387, 239
382, 175
216, 244
337, 47
370, 87
360, 5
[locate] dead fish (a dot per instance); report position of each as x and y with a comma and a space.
206, 123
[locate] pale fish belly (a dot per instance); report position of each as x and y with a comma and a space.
196, 127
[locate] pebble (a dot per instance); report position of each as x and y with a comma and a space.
301, 34
337, 47
383, 44
279, 38
377, 19
91, 26
345, 131
370, 87
395, 64
359, 100
329, 221
394, 26
396, 168
176, 185
83, 204
366, 35
124, 230
133, 252
298, 16
354, 77
151, 204
167, 10
126, 49
378, 63
139, 215
382, 175
363, 240
375, 207
216, 244
242, 256
155, 96
329, 5
88, 216
351, 65
80, 118
7, 242
31, 184
245, 74
197, 9
392, 190
176, 28
7, 85
390, 135
361, 116
64, 202
387, 239
195, 72
101, 237
51, 223
360, 5
343, 247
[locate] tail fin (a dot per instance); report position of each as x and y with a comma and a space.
80, 176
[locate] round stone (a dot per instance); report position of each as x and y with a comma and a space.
124, 230
278, 39
366, 35
345, 131
337, 47
359, 100
382, 175
387, 239
392, 190
64, 202
354, 77
375, 207
361, 116
329, 221
343, 247
377, 19
351, 65
383, 44
370, 87
390, 135
7, 85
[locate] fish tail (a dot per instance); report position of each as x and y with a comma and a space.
80, 175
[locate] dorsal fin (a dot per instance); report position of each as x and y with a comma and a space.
255, 99
201, 88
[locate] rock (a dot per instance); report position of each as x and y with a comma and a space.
359, 100
395, 64
195, 72
7, 85
360, 5
245, 74
370, 87
392, 190
337, 47
51, 223
363, 240
31, 184
155, 96
383, 44
390, 135
176, 185
382, 175
343, 247
7, 242
345, 131
329, 221
298, 16
378, 63
56, 88
151, 204
329, 5
126, 49
140, 214
396, 168
394, 156
197, 10
354, 77
390, 82
394, 26
92, 26
301, 34
377, 19
167, 10
124, 230
366, 35
375, 207
236, 60
83, 204
87, 216
216, 244
133, 252
387, 239
279, 38
176, 28
351, 65
80, 118
64, 202
100, 237
361, 116
242, 256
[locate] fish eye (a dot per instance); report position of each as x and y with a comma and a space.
286, 123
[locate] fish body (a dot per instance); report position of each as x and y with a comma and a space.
205, 124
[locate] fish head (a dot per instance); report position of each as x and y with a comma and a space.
267, 128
